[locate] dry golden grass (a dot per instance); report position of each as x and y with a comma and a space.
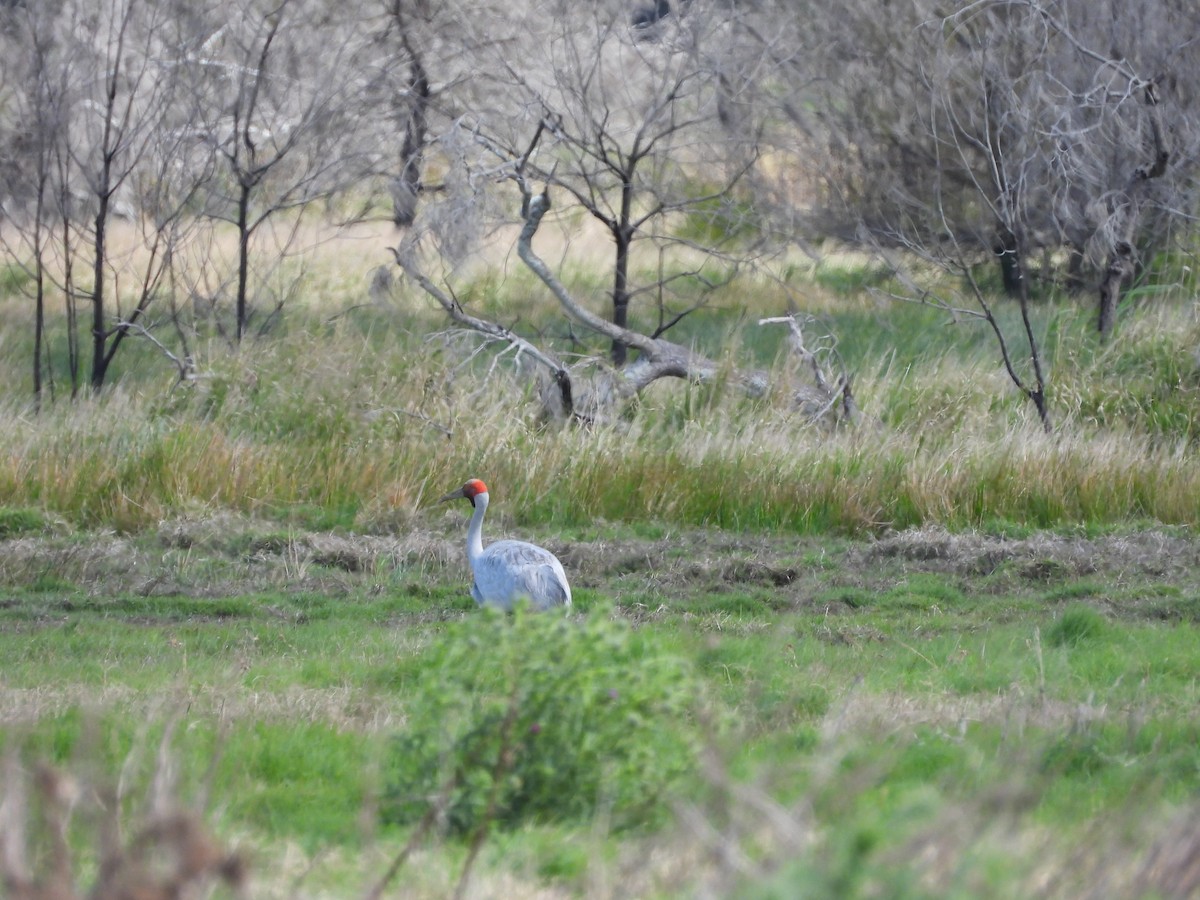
325, 429
356, 414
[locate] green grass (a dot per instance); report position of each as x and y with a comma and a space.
878, 706
351, 423
942, 654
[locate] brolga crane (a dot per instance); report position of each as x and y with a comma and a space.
509, 571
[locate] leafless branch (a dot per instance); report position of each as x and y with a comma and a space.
186, 365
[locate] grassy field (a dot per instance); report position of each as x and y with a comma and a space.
927, 714
944, 654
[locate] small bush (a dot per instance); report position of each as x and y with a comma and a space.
16, 521
1076, 624
543, 718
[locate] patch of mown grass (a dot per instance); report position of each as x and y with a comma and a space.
740, 604
932, 593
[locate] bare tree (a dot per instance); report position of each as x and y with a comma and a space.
631, 132
637, 143
96, 91
649, 138
274, 104
1023, 121
29, 167
121, 103
1007, 132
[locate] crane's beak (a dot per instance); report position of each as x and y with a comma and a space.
453, 495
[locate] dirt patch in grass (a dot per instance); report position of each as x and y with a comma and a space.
1127, 569
1147, 572
343, 707
1042, 556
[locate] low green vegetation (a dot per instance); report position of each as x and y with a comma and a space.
540, 719
753, 714
942, 654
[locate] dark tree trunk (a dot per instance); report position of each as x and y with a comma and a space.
407, 185
39, 296
622, 237
39, 330
243, 273
71, 310
1012, 270
620, 298
1116, 274
99, 335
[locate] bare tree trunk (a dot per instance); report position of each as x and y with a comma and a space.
99, 250
620, 317
1012, 268
1036, 391
243, 271
1116, 272
102, 188
40, 233
407, 185
39, 330
72, 309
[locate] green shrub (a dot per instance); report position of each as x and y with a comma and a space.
1077, 623
16, 521
543, 718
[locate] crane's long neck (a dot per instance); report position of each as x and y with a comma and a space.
475, 529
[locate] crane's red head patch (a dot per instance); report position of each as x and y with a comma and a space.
473, 489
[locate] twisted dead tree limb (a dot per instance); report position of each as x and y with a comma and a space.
657, 358
184, 364
595, 395
496, 332
829, 394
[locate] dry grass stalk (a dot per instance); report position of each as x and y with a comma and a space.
171, 856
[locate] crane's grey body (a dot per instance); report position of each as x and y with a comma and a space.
507, 572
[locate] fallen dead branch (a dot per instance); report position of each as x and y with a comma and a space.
593, 390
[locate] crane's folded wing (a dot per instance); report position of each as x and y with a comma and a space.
510, 570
